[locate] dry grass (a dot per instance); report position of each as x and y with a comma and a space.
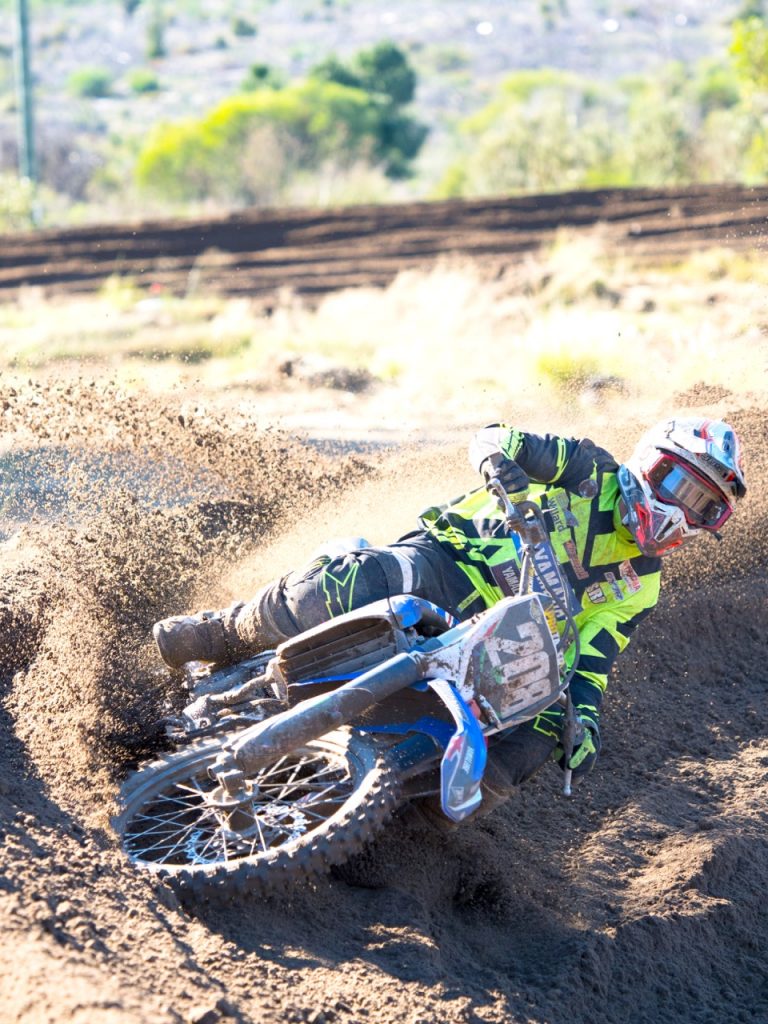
572, 325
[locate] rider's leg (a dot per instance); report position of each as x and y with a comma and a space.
322, 590
514, 758
205, 636
332, 586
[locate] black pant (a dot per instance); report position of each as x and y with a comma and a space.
513, 758
328, 587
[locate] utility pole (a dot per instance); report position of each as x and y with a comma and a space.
27, 167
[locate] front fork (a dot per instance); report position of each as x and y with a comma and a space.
413, 754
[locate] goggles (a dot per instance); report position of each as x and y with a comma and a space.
676, 483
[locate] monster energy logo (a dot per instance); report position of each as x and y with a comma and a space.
338, 590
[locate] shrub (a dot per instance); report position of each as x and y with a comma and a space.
90, 82
254, 143
243, 27
17, 202
568, 371
449, 58
262, 76
143, 80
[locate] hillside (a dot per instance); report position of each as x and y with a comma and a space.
459, 53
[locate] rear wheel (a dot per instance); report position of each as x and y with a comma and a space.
292, 820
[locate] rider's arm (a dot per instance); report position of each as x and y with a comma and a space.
547, 459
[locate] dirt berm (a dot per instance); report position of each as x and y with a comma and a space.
639, 901
259, 253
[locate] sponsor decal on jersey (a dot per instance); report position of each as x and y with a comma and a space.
562, 500
573, 558
630, 577
615, 586
595, 593
558, 517
562, 517
507, 576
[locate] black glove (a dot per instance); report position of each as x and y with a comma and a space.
585, 753
510, 475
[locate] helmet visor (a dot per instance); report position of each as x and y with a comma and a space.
676, 483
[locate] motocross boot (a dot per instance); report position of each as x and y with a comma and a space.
206, 636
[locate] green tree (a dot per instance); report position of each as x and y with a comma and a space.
661, 140
749, 52
716, 86
385, 69
544, 130
332, 70
249, 146
386, 75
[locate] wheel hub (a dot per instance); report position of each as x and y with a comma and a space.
234, 808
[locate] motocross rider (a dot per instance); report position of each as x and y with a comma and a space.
609, 526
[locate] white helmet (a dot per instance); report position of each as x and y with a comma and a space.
683, 477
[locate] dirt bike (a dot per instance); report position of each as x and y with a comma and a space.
291, 761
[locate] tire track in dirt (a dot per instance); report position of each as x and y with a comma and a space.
639, 901
259, 253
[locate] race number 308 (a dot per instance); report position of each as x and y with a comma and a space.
523, 666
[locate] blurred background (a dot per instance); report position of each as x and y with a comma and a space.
323, 204
168, 107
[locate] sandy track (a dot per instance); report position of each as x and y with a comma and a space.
640, 901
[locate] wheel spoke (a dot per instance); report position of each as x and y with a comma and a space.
200, 854
179, 844
185, 805
261, 833
295, 795
195, 790
176, 817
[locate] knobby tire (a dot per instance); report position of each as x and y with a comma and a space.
168, 829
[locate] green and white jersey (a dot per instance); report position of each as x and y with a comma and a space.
575, 484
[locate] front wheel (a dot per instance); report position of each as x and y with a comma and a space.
293, 819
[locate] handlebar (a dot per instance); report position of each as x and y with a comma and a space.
516, 507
